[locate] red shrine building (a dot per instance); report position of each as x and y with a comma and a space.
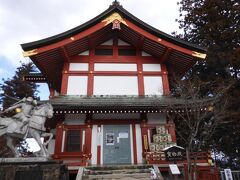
109, 85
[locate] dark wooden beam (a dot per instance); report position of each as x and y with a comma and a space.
140, 42
65, 54
165, 55
35, 77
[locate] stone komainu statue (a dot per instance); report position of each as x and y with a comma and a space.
24, 109
28, 122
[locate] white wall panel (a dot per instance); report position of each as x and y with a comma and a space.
151, 67
84, 53
63, 141
153, 85
94, 144
77, 85
145, 54
115, 85
139, 144
114, 67
78, 67
122, 43
109, 42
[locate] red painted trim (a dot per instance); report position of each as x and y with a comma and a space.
64, 84
115, 47
134, 143
140, 78
171, 130
58, 140
98, 155
88, 139
90, 74
157, 39
118, 59
144, 133
99, 152
166, 89
72, 39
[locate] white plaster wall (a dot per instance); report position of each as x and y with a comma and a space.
75, 119
145, 54
83, 139
109, 42
153, 85
115, 85
139, 143
156, 118
114, 67
152, 67
77, 85
122, 43
94, 144
78, 67
117, 116
84, 53
63, 141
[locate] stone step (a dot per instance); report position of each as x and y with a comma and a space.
115, 171
116, 167
141, 176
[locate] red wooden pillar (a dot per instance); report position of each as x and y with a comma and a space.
171, 129
166, 90
140, 78
58, 141
64, 79
90, 74
88, 139
134, 143
145, 142
99, 151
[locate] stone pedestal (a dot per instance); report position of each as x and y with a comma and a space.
32, 168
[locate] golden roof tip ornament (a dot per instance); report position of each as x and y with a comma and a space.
30, 53
113, 18
199, 55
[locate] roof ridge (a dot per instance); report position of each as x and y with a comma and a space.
115, 3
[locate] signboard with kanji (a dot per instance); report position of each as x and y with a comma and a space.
174, 153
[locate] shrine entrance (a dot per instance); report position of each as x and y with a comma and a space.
116, 144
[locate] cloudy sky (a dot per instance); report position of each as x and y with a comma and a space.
24, 21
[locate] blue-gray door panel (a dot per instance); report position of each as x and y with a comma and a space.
116, 144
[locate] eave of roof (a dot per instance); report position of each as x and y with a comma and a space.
115, 7
124, 102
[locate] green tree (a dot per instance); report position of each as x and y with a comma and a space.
16, 87
215, 24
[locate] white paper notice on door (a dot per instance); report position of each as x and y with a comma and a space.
123, 134
109, 139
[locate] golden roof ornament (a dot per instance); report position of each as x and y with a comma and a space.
113, 18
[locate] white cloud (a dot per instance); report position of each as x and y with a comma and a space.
24, 21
